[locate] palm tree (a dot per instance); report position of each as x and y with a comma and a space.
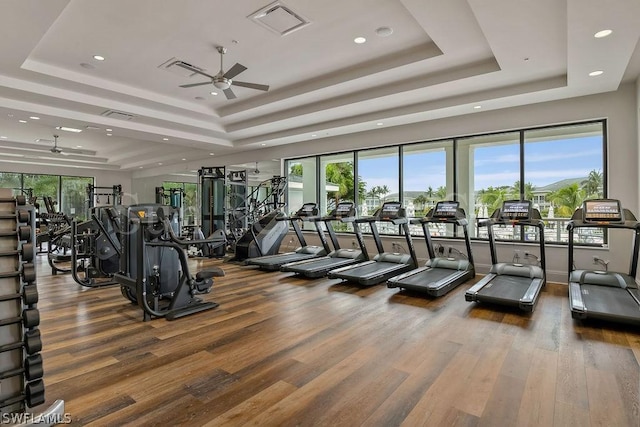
430, 193
441, 193
493, 197
566, 200
420, 201
515, 191
593, 184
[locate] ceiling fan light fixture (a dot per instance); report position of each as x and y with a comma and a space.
222, 84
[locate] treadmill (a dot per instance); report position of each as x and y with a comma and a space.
345, 212
605, 295
512, 284
440, 274
307, 212
385, 264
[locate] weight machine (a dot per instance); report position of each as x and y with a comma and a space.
94, 193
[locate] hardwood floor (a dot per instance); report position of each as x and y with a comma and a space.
282, 350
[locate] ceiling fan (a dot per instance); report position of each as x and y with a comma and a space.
55, 149
65, 151
223, 80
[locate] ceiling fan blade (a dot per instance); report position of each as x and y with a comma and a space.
194, 70
229, 94
196, 84
234, 71
251, 85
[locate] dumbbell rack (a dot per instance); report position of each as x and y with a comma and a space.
21, 370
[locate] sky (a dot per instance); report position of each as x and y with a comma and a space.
545, 163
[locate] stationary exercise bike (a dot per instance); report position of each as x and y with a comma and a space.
154, 272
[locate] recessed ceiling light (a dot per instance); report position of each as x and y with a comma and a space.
78, 146
98, 57
379, 124
160, 163
313, 135
108, 130
109, 134
596, 73
68, 129
263, 144
213, 93
22, 121
3, 137
602, 33
34, 118
140, 167
183, 159
384, 31
359, 40
211, 154
165, 139
477, 107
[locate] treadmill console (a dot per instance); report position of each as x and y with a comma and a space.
391, 211
602, 210
308, 209
445, 210
345, 209
515, 210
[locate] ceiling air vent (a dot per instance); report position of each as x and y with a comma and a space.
113, 114
179, 67
279, 18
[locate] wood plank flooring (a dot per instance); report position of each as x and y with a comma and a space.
287, 351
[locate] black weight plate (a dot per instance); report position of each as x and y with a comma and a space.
33, 369
28, 273
21, 200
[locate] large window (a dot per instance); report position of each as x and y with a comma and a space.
189, 200
488, 174
68, 193
378, 171
562, 168
556, 167
427, 177
301, 182
74, 196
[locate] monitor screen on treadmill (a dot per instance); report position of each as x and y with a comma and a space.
602, 210
344, 207
308, 209
446, 209
390, 210
516, 209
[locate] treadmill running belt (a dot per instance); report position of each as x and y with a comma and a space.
321, 264
426, 277
506, 288
609, 301
277, 260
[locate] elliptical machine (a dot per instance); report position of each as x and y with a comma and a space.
154, 272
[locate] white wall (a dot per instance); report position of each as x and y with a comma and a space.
620, 108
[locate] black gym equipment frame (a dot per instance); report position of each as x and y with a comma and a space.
512, 284
385, 264
597, 294
345, 212
308, 212
169, 290
441, 274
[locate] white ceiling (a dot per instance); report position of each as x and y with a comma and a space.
443, 59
